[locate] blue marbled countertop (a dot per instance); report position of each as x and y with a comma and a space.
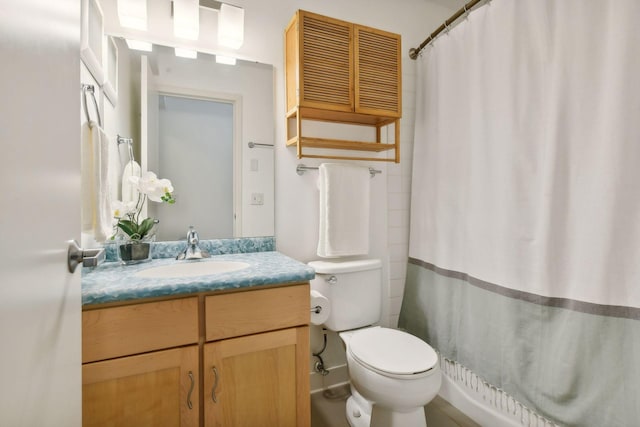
113, 282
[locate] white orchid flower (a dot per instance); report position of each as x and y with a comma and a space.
160, 188
153, 187
121, 209
127, 215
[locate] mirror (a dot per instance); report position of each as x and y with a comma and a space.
197, 119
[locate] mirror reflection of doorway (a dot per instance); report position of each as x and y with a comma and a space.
195, 151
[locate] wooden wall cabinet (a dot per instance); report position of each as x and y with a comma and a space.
341, 72
236, 359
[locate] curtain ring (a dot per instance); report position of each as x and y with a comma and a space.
467, 11
446, 27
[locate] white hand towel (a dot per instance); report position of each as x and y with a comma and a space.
96, 199
344, 210
129, 192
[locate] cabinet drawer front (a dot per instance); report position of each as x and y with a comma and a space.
244, 313
132, 329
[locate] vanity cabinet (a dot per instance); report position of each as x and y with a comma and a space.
229, 359
255, 378
341, 72
141, 365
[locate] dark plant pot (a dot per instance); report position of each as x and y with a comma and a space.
135, 252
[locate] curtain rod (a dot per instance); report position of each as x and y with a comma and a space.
413, 52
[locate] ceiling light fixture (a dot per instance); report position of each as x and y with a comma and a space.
139, 45
133, 14
230, 26
227, 60
186, 53
186, 19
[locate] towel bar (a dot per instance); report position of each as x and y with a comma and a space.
252, 144
301, 169
86, 88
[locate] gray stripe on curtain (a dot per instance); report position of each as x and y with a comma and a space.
576, 369
580, 306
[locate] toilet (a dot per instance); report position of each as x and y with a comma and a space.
393, 374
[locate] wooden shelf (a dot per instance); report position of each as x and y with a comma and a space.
341, 144
340, 117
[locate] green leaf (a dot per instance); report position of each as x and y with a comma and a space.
128, 227
168, 198
145, 226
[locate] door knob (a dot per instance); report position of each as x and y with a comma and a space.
88, 257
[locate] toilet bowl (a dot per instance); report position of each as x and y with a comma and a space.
393, 374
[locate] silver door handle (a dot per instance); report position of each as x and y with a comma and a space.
88, 257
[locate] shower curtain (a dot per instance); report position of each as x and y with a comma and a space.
524, 258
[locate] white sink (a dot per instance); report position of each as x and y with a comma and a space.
191, 269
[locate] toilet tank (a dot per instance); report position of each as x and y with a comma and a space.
354, 290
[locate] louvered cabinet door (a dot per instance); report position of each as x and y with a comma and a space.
326, 60
378, 73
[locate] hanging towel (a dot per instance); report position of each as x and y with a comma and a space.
96, 199
129, 193
344, 210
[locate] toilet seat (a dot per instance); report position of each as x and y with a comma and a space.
391, 352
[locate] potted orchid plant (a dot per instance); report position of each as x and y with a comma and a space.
133, 233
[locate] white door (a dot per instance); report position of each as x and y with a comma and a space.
40, 306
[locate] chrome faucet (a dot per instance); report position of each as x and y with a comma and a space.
193, 251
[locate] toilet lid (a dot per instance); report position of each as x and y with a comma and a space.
392, 351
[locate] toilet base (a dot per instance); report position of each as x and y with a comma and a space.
357, 416
360, 413
382, 417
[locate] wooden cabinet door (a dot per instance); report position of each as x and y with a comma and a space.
326, 63
154, 389
258, 380
378, 72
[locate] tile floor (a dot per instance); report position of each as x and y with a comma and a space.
330, 411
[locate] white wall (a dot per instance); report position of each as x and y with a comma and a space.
297, 197
296, 207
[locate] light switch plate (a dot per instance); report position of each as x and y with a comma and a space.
257, 198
